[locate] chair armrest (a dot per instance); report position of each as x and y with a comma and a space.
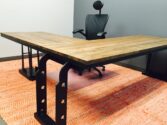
81, 31
101, 34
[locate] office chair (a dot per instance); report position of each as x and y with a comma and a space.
94, 29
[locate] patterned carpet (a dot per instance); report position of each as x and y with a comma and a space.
122, 97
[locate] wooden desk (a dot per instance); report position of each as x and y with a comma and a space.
72, 52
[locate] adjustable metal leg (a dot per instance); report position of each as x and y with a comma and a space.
61, 94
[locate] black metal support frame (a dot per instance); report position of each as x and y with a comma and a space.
148, 64
148, 71
61, 93
30, 71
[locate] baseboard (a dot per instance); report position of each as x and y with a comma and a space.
16, 57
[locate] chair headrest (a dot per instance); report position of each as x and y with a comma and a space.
98, 5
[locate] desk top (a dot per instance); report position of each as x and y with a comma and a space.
85, 51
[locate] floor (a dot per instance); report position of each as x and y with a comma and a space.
2, 122
122, 97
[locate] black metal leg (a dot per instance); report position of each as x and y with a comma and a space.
22, 55
28, 72
41, 94
30, 61
41, 86
148, 64
61, 94
38, 57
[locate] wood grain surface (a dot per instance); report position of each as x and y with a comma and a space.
85, 51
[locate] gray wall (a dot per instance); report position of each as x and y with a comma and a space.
127, 17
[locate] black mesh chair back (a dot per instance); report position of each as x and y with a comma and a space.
95, 24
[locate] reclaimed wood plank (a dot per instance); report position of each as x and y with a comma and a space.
86, 51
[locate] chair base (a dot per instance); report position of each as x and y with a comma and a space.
80, 72
99, 72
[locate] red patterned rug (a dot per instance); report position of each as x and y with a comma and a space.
122, 97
